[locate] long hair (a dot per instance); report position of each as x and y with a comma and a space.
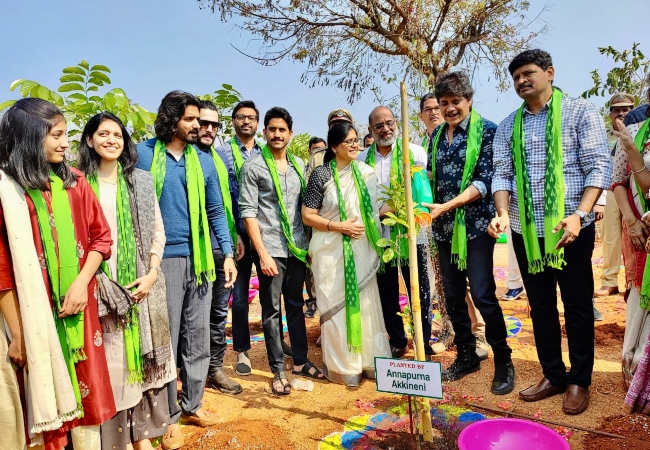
23, 130
170, 112
89, 159
337, 134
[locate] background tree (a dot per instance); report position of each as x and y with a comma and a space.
631, 74
79, 98
299, 145
351, 44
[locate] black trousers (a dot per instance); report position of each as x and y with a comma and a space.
288, 284
388, 284
480, 254
218, 314
576, 281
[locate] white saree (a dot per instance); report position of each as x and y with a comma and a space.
326, 252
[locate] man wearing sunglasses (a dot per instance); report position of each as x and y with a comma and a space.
209, 127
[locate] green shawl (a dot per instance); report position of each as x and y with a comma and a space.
62, 262
640, 139
201, 246
553, 188
284, 215
397, 232
126, 272
224, 185
472, 152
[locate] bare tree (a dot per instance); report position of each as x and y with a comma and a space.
352, 44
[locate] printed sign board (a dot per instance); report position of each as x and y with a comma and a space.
400, 376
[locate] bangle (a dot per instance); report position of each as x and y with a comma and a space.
632, 224
328, 225
638, 171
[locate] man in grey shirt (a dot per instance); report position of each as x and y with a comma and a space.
270, 198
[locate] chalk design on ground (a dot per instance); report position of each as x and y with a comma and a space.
513, 324
359, 431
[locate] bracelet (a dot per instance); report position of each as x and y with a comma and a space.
637, 171
631, 224
156, 268
328, 225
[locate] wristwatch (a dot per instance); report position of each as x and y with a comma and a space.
229, 255
581, 214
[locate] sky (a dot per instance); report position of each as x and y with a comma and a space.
154, 46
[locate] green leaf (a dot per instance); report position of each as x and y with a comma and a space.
69, 87
72, 77
26, 87
6, 104
96, 81
92, 88
84, 64
77, 96
389, 222
100, 67
43, 93
383, 242
74, 69
227, 86
388, 255
16, 83
100, 76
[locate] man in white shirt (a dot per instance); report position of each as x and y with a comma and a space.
383, 128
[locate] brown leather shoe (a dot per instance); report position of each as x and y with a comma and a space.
576, 399
604, 291
540, 391
202, 418
173, 439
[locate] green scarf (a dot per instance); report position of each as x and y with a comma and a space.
473, 149
397, 232
642, 136
126, 272
201, 246
62, 262
222, 171
352, 305
237, 155
553, 188
284, 216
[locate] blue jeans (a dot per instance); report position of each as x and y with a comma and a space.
479, 272
218, 315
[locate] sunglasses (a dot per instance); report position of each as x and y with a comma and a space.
207, 123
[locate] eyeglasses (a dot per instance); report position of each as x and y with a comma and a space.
241, 117
429, 110
351, 142
207, 123
380, 126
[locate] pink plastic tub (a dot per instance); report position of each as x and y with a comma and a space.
255, 282
510, 434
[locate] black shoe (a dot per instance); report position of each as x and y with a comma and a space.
223, 383
286, 349
311, 310
504, 379
466, 362
398, 352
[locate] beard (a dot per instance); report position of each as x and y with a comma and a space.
190, 137
205, 141
386, 142
246, 133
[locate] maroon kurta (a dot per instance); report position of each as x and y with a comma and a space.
93, 234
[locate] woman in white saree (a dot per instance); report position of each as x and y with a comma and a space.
341, 205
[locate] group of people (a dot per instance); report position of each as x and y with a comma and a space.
116, 274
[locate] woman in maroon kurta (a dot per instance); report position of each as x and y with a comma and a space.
93, 245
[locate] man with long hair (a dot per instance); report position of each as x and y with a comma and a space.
188, 264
